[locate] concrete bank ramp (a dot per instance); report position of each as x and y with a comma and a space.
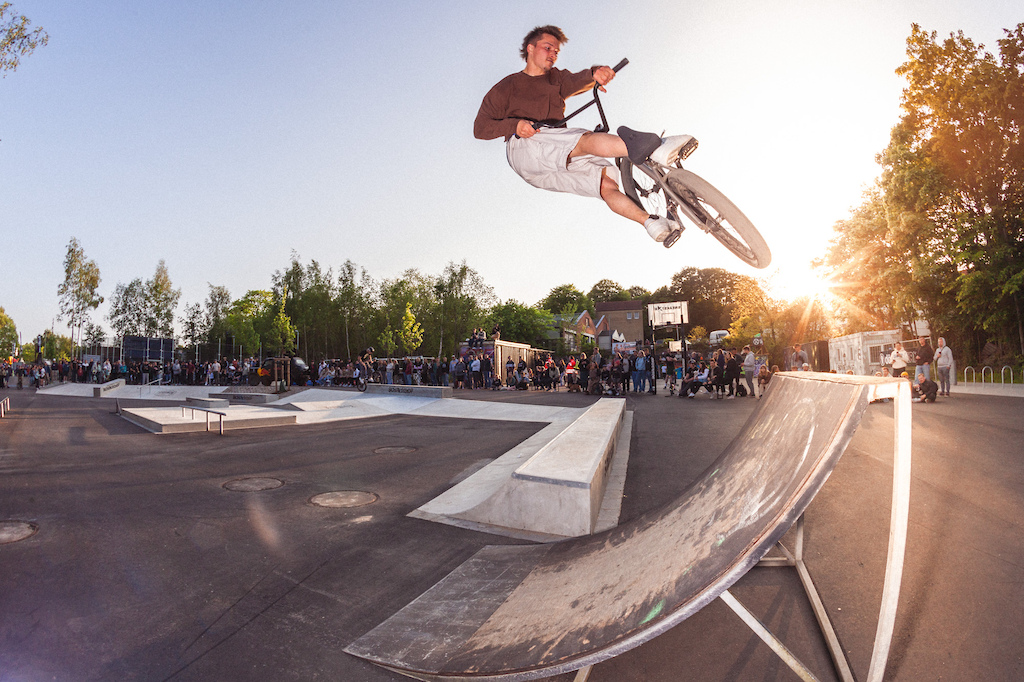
525, 612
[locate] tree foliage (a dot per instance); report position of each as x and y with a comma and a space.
943, 235
145, 308
606, 290
17, 38
709, 292
8, 335
519, 322
78, 292
567, 299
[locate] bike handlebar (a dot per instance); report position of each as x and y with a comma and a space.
597, 100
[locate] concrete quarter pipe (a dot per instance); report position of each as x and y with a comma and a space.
525, 612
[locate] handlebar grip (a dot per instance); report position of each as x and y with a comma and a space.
620, 65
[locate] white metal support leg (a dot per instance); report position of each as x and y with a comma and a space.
898, 523
897, 534
768, 638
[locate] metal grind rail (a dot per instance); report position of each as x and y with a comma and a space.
208, 413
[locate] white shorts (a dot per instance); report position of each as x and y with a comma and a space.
543, 161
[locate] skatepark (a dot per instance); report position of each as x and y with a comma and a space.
158, 549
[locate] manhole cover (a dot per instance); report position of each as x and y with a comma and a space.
13, 531
251, 485
394, 450
344, 498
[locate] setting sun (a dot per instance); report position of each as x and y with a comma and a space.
795, 283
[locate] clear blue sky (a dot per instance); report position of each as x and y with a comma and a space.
221, 136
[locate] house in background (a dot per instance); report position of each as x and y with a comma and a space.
624, 321
574, 331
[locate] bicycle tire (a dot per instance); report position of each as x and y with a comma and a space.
722, 219
361, 384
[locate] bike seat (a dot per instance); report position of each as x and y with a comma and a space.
639, 146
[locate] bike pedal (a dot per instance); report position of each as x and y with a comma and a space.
672, 238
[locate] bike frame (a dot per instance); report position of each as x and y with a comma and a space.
654, 171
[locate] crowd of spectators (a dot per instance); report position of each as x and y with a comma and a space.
171, 372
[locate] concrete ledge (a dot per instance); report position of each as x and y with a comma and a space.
416, 391
211, 403
249, 398
103, 389
556, 492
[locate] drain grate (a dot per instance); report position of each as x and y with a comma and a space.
252, 485
340, 499
15, 531
394, 450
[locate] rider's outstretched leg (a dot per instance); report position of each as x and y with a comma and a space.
659, 228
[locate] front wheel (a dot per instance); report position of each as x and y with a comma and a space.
720, 217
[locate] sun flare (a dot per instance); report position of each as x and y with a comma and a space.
791, 284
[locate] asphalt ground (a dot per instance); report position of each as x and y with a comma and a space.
145, 567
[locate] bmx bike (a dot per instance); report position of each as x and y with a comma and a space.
664, 187
368, 374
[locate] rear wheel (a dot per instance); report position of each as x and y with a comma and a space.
641, 188
361, 383
721, 218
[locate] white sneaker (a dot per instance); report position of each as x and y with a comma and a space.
660, 228
673, 148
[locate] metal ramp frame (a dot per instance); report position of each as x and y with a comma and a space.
898, 521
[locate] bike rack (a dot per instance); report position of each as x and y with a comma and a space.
1002, 374
974, 375
991, 374
5, 406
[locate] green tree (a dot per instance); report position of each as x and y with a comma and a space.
356, 292
193, 324
952, 182
94, 335
250, 319
708, 293
411, 333
57, 346
17, 39
77, 292
520, 323
8, 335
127, 314
607, 290
218, 300
161, 302
566, 297
461, 298
280, 337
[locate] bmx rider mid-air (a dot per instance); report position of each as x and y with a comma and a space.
560, 159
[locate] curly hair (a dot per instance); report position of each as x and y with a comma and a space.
533, 36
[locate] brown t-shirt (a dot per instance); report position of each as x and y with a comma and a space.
534, 98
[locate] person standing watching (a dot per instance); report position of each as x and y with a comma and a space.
924, 357
749, 366
898, 359
943, 365
798, 359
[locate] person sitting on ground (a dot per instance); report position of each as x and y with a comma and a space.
564, 159
925, 389
763, 377
698, 376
